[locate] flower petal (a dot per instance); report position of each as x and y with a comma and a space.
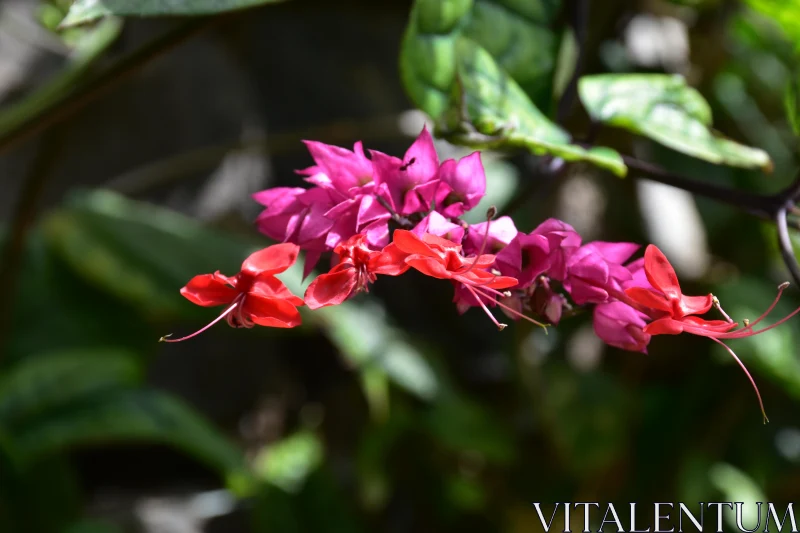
391, 261
330, 289
411, 244
209, 290
429, 266
664, 326
648, 298
272, 287
660, 273
271, 312
271, 260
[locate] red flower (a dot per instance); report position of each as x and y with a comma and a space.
441, 258
674, 312
358, 267
253, 296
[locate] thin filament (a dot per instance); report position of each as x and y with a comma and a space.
747, 373
225, 313
499, 325
483, 246
504, 306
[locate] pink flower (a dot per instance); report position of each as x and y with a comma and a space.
436, 224
409, 185
621, 326
563, 241
339, 169
297, 215
526, 257
462, 185
595, 269
501, 232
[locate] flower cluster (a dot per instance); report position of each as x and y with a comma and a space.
536, 276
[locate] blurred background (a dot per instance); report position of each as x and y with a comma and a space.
128, 154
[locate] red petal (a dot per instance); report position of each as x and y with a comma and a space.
271, 260
209, 290
716, 326
429, 266
696, 305
330, 289
391, 261
648, 298
482, 278
411, 244
271, 312
440, 242
660, 273
272, 287
664, 326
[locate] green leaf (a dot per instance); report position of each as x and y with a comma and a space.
136, 415
481, 67
665, 109
786, 14
138, 252
87, 10
288, 462
50, 382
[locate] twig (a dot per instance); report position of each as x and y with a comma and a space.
62, 108
24, 214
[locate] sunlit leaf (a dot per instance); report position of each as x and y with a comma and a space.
481, 68
785, 13
737, 486
665, 109
47, 382
288, 462
87, 10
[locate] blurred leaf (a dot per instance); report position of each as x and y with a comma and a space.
360, 331
93, 526
55, 310
50, 382
480, 68
737, 486
465, 426
141, 253
594, 404
785, 13
320, 505
288, 462
665, 109
792, 104
87, 10
771, 353
90, 44
137, 415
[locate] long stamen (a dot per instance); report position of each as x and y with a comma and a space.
717, 305
782, 287
490, 213
748, 332
499, 325
225, 313
747, 373
506, 307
